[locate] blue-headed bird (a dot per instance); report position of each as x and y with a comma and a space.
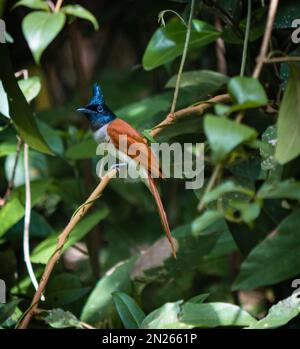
107, 127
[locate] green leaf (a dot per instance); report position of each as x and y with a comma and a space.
33, 4
130, 313
59, 318
64, 289
279, 314
287, 11
19, 110
247, 93
30, 87
14, 209
225, 135
167, 42
38, 167
195, 240
224, 188
46, 248
199, 299
164, 317
83, 150
99, 308
210, 315
40, 29
6, 310
4, 106
275, 259
288, 125
7, 148
288, 189
52, 137
80, 12
209, 80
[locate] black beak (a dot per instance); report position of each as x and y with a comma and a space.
84, 110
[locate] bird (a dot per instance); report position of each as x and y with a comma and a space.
107, 128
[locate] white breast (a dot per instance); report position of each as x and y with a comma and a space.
101, 135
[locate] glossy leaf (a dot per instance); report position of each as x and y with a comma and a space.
225, 188
45, 249
209, 80
14, 209
19, 110
33, 4
247, 93
6, 310
80, 12
99, 305
199, 299
275, 259
58, 318
30, 87
165, 317
288, 125
279, 314
210, 315
130, 313
40, 29
288, 189
225, 135
167, 42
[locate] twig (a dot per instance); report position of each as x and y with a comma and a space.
51, 5
220, 50
184, 53
282, 59
260, 61
58, 5
215, 175
60, 244
267, 36
246, 39
264, 48
87, 326
26, 248
198, 109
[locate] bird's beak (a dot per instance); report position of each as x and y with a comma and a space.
83, 110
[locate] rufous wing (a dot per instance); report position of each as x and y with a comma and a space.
136, 146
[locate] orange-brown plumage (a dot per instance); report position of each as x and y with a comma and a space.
146, 158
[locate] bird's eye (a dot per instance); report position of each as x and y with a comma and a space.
99, 109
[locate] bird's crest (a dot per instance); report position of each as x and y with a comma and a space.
97, 95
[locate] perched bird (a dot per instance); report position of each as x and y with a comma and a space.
107, 127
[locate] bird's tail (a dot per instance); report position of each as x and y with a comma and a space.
162, 213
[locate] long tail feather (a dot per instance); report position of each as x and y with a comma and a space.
162, 213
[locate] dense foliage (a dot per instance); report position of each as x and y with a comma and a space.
238, 237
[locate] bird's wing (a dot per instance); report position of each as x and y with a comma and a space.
136, 147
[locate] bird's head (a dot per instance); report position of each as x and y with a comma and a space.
97, 111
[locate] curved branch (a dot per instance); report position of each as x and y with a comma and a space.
197, 109
60, 244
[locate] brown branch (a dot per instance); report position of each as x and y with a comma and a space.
282, 59
198, 110
266, 39
58, 5
60, 244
